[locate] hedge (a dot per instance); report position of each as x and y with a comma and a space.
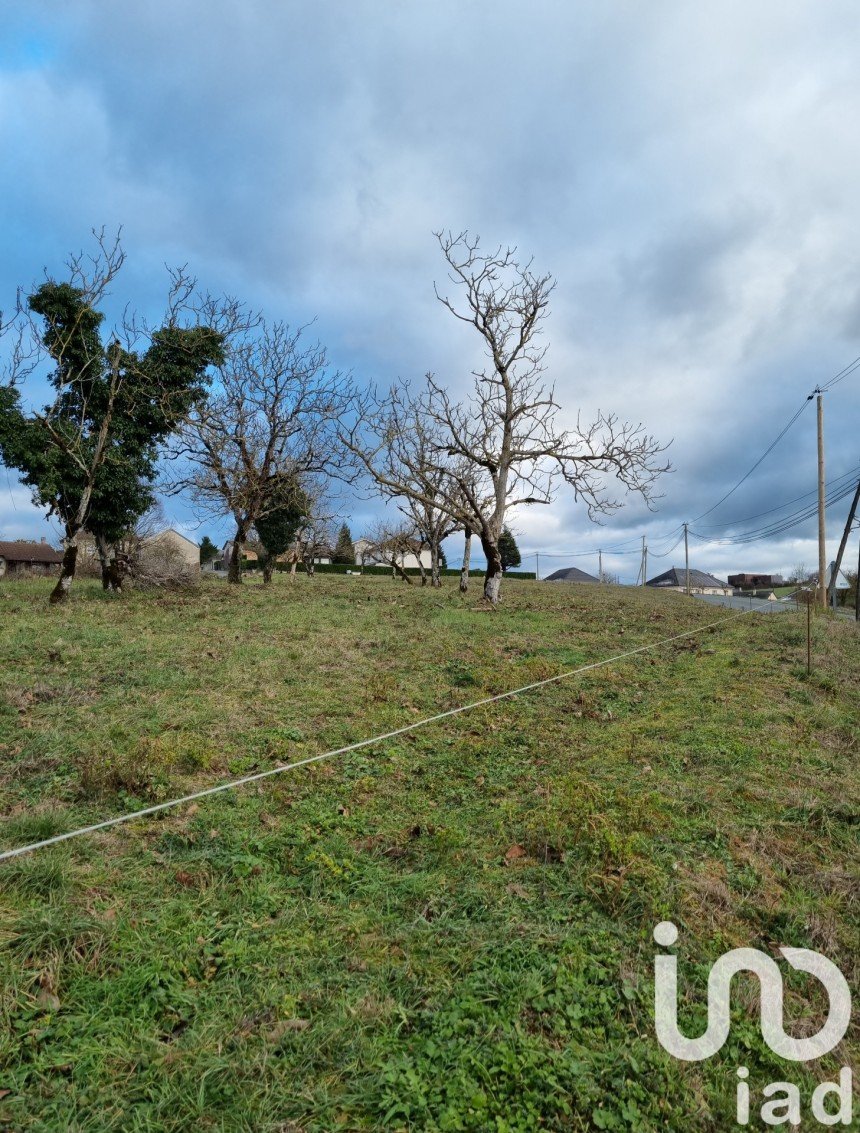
343, 568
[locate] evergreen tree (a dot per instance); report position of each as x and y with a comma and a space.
284, 508
344, 551
508, 550
90, 457
208, 550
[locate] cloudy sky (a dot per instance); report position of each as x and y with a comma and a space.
687, 172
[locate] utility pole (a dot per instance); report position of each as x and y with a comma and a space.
686, 561
537, 566
831, 589
822, 535
644, 561
600, 566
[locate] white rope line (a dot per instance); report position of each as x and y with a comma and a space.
231, 786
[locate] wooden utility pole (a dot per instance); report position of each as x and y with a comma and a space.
686, 561
849, 523
644, 561
822, 535
600, 566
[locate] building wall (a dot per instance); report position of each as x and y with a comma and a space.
364, 557
14, 567
175, 544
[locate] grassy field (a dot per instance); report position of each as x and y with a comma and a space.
448, 931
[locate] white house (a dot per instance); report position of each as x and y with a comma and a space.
675, 578
368, 554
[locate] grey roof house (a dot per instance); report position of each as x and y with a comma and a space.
675, 578
570, 574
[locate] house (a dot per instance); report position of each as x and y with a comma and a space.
171, 544
755, 581
248, 555
367, 553
22, 556
570, 574
675, 578
322, 557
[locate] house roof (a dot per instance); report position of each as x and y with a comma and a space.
677, 576
570, 574
23, 551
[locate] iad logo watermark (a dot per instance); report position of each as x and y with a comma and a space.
784, 1106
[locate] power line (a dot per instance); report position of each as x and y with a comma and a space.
778, 527
849, 369
852, 475
763, 456
623, 548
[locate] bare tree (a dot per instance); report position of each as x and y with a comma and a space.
398, 448
391, 544
314, 541
273, 414
506, 436
502, 448
800, 573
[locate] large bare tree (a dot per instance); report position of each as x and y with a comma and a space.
272, 414
503, 447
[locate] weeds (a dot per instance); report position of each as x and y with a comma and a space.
451, 931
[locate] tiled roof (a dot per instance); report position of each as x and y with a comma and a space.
20, 551
677, 576
570, 574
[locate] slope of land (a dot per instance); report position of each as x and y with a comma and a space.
448, 931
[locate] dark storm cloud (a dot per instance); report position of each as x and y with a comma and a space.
686, 173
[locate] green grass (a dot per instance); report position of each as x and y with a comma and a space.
448, 931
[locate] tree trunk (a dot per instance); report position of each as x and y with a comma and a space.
234, 567
493, 576
467, 554
60, 593
435, 570
396, 568
422, 572
268, 568
113, 571
104, 559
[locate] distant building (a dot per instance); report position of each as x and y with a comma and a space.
367, 553
755, 581
675, 578
322, 557
570, 574
174, 545
248, 555
22, 556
